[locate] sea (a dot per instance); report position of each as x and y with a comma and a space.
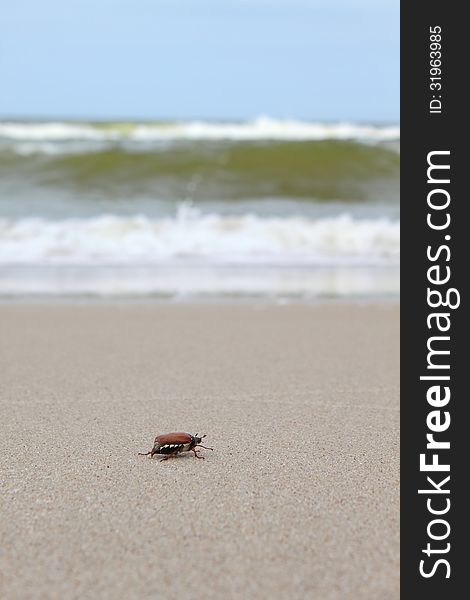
278, 209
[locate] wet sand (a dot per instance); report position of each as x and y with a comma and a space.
300, 498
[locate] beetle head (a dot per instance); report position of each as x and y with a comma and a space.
197, 439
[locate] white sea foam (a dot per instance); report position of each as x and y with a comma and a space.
179, 283
56, 131
192, 238
263, 128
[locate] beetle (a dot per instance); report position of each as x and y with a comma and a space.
172, 444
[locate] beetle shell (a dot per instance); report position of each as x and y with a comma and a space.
173, 443
174, 438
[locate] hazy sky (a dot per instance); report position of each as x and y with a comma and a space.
314, 59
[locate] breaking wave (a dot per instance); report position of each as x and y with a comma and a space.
204, 239
263, 128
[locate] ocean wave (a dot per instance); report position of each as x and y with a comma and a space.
318, 170
259, 129
191, 238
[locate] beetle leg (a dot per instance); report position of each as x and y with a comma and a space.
201, 446
144, 453
168, 456
196, 454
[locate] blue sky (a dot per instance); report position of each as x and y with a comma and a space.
218, 59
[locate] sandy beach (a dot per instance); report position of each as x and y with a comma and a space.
299, 500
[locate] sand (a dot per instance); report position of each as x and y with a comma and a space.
300, 498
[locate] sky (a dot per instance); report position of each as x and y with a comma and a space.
208, 59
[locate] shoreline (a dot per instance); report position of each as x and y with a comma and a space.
188, 301
201, 283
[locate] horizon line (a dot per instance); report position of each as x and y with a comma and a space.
166, 119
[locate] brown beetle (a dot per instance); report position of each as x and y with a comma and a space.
172, 444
